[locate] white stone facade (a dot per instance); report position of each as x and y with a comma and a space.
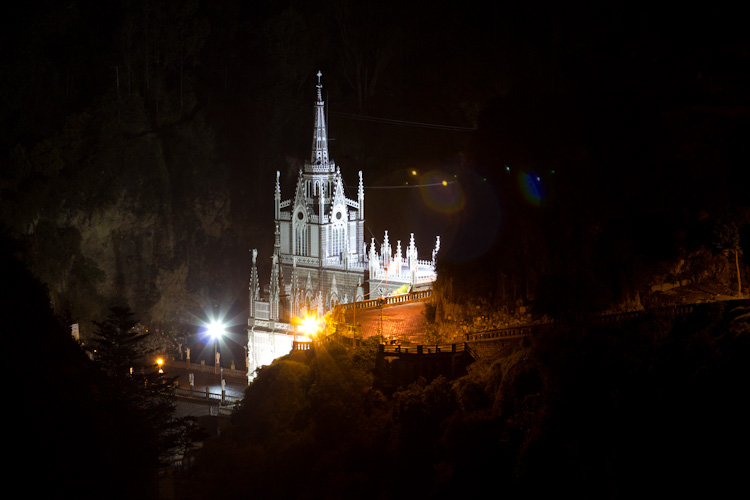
320, 256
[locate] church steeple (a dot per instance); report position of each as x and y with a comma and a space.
320, 137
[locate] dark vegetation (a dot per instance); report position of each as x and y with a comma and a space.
138, 145
86, 425
649, 407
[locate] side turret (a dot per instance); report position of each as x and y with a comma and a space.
277, 198
254, 283
361, 198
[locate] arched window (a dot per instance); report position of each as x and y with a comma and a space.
338, 232
337, 240
301, 239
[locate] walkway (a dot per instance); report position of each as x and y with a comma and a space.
405, 322
204, 378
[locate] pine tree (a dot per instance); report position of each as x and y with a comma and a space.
118, 346
142, 430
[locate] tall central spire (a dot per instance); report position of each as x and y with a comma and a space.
320, 138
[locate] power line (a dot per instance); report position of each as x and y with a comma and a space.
407, 186
376, 119
392, 121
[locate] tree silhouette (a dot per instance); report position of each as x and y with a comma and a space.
118, 345
727, 239
141, 429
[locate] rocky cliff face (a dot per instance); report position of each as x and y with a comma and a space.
143, 219
131, 252
153, 261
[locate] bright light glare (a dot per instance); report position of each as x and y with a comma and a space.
309, 325
215, 329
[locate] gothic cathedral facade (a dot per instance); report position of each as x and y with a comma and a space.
320, 257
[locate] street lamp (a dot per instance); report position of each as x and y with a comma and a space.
216, 330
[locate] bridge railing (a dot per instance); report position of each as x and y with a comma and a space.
677, 310
500, 333
424, 348
230, 371
207, 396
301, 346
389, 300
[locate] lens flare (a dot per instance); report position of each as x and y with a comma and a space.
531, 187
439, 194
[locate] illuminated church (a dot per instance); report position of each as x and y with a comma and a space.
320, 256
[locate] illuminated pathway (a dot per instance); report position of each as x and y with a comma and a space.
196, 404
405, 322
